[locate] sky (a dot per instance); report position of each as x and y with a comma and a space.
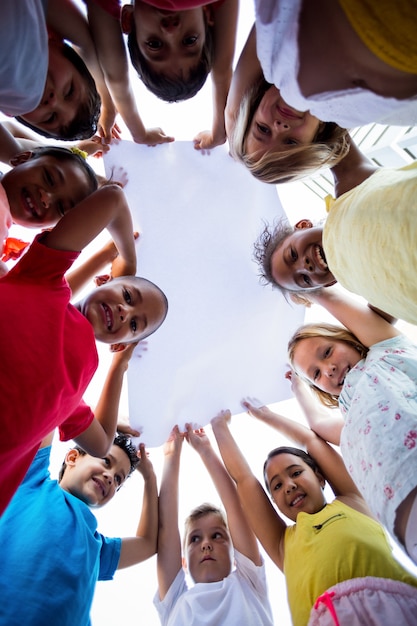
128, 598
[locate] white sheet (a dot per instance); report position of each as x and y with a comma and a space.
225, 335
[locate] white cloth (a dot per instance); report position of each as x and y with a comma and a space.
379, 438
240, 599
277, 50
23, 55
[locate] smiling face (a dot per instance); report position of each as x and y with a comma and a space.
325, 362
94, 480
124, 310
208, 549
170, 41
41, 190
294, 486
277, 126
299, 263
64, 91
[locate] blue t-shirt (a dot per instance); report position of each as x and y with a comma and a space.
51, 553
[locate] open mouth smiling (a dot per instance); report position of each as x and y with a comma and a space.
297, 500
108, 316
320, 258
100, 486
30, 205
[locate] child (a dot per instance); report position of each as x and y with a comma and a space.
52, 554
173, 46
61, 100
336, 559
370, 371
48, 355
275, 141
219, 595
343, 61
367, 242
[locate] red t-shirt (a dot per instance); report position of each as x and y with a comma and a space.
113, 6
48, 356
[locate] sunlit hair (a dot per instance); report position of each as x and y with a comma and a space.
326, 331
122, 442
201, 511
289, 450
84, 123
66, 155
330, 146
170, 89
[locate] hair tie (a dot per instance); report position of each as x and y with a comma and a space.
80, 153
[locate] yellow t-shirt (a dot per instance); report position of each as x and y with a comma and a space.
328, 547
370, 240
388, 28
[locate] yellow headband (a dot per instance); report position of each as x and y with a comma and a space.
80, 153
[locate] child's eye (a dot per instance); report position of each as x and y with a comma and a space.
316, 374
106, 461
190, 41
297, 473
327, 352
118, 480
306, 279
293, 254
291, 142
193, 538
262, 128
127, 296
277, 486
61, 209
154, 44
48, 177
217, 535
70, 91
133, 325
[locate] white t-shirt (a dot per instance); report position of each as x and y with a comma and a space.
23, 55
240, 599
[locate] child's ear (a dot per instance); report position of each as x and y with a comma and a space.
118, 347
209, 15
184, 564
102, 279
303, 224
126, 18
20, 158
321, 479
71, 457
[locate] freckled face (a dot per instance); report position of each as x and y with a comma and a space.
325, 362
63, 93
208, 549
277, 126
94, 480
294, 486
299, 263
170, 41
123, 310
41, 190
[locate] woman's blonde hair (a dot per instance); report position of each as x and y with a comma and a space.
327, 331
328, 148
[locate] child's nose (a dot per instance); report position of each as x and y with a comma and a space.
331, 370
170, 23
122, 313
50, 97
46, 198
281, 126
308, 264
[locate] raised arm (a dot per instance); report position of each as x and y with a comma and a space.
98, 437
143, 546
247, 72
262, 517
169, 560
243, 538
330, 462
108, 38
361, 320
105, 208
224, 41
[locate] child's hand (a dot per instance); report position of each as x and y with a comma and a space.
174, 442
145, 466
206, 140
93, 146
297, 384
197, 438
119, 176
107, 127
222, 417
153, 136
122, 353
255, 407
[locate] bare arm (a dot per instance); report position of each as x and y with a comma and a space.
98, 437
247, 72
169, 560
105, 208
263, 519
143, 546
243, 538
330, 462
224, 36
108, 39
362, 321
352, 170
